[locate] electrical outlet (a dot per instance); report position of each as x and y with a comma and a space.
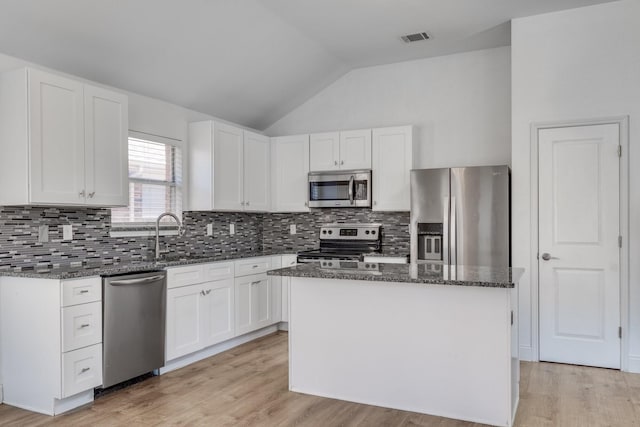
67, 232
292, 229
232, 229
209, 229
43, 234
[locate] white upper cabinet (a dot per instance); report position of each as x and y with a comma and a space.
289, 173
63, 142
229, 169
106, 159
392, 161
355, 149
324, 151
228, 158
256, 172
340, 150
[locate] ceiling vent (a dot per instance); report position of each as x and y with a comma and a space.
409, 38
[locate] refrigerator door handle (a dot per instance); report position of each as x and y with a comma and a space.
454, 224
445, 232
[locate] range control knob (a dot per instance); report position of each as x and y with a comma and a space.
366, 232
330, 231
324, 231
373, 231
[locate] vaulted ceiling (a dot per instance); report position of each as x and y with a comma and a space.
247, 61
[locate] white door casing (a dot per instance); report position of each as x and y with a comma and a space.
579, 225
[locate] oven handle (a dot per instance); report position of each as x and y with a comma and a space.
351, 183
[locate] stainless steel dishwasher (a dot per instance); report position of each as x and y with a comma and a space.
133, 312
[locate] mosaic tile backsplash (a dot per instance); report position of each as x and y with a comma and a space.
92, 243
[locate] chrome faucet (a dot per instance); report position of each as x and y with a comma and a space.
180, 230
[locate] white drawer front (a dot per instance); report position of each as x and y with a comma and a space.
258, 265
184, 276
81, 370
80, 291
81, 325
289, 260
218, 270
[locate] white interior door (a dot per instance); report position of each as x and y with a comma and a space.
579, 265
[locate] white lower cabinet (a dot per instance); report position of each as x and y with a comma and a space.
287, 261
200, 312
50, 342
211, 303
253, 303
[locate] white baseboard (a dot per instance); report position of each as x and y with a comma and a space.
1, 394
634, 364
183, 361
526, 354
283, 326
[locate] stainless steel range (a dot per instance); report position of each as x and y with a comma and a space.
345, 242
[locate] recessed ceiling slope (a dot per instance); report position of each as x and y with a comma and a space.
247, 61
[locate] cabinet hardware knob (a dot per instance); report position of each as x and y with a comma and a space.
208, 291
84, 325
93, 193
335, 163
242, 203
81, 194
306, 204
85, 370
247, 203
342, 162
202, 293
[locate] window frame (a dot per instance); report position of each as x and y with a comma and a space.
134, 229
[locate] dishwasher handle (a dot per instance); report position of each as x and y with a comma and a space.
140, 281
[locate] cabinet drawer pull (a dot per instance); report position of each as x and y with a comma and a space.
335, 163
84, 291
202, 293
84, 325
83, 370
257, 282
81, 194
208, 291
93, 193
255, 266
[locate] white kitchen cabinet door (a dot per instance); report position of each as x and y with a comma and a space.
253, 303
200, 169
256, 172
355, 149
276, 291
228, 167
392, 161
106, 141
324, 151
218, 311
57, 149
290, 173
184, 321
287, 261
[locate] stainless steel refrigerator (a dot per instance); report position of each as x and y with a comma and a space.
461, 216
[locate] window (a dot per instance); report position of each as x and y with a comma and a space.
155, 182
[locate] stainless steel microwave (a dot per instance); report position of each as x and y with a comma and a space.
343, 189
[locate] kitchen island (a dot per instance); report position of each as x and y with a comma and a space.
428, 338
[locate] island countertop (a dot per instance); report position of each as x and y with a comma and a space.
427, 273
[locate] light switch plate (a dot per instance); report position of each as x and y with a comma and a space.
209, 229
232, 229
43, 234
292, 229
67, 232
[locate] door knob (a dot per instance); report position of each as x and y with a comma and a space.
546, 256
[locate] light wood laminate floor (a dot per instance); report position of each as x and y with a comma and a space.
248, 386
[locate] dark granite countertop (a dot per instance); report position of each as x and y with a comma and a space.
98, 269
428, 273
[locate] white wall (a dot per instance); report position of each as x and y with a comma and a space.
574, 65
461, 105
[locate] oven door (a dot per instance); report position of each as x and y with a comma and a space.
340, 189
